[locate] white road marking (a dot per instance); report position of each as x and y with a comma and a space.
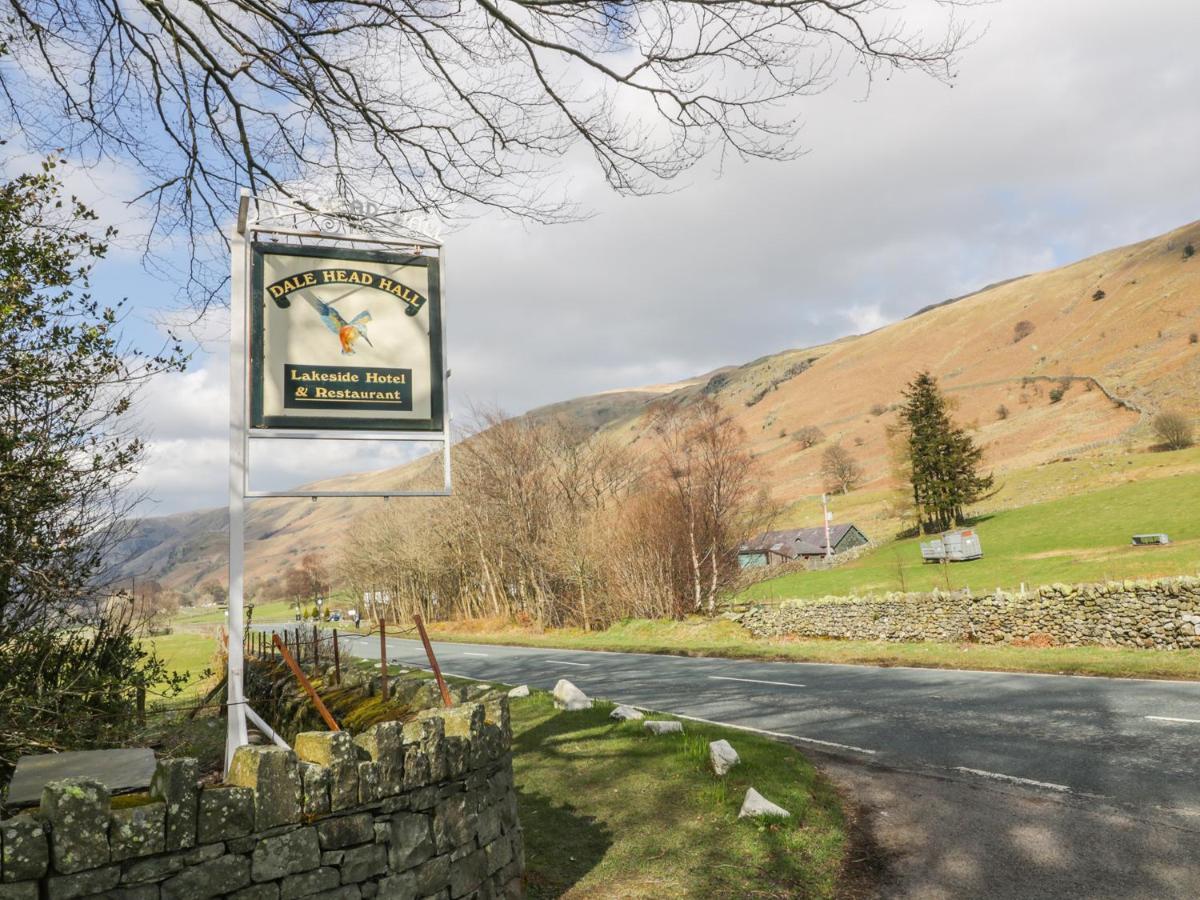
997, 776
778, 734
1173, 719
465, 653
755, 680
563, 662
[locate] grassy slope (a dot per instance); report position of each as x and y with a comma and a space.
611, 811
702, 637
1079, 538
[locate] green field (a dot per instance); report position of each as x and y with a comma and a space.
1072, 539
275, 611
189, 652
609, 810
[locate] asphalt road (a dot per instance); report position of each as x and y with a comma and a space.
976, 784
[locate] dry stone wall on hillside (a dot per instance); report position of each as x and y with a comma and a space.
1163, 614
425, 808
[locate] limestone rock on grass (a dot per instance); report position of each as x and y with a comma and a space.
664, 727
625, 713
521, 691
756, 804
722, 756
569, 697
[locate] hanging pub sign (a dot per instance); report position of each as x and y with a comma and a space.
345, 339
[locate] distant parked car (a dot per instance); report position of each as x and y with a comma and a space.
336, 617
952, 546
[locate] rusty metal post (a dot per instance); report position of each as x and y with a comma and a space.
307, 685
437, 670
383, 667
337, 661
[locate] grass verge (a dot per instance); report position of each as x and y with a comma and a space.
190, 653
609, 810
721, 638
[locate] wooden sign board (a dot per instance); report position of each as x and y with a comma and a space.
345, 340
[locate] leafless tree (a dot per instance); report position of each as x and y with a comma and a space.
839, 469
1174, 429
433, 104
808, 436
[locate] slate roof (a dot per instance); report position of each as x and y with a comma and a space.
794, 542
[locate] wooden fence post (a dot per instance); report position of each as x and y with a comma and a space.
437, 670
141, 704
309, 689
316, 650
337, 661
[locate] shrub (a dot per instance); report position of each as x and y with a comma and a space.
858, 442
1056, 394
1022, 330
1193, 338
1099, 295
808, 436
1189, 250
1173, 429
878, 409
1001, 412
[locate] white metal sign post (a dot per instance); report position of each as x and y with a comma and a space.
336, 333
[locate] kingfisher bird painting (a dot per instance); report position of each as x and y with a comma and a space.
348, 332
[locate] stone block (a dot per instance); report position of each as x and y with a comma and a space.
468, 874
308, 883
458, 757
26, 852
174, 784
315, 782
384, 744
433, 875
423, 799
137, 831
338, 832
76, 810
326, 748
274, 775
465, 721
225, 813
368, 782
141, 892
499, 854
22, 890
412, 841
487, 824
369, 889
416, 767
361, 863
215, 878
285, 854
452, 825
343, 786
152, 868
82, 884
383, 832
266, 891
398, 887
345, 892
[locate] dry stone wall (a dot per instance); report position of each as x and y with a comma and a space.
425, 808
1163, 614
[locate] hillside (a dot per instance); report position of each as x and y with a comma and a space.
1114, 333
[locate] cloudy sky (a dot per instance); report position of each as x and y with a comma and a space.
1072, 127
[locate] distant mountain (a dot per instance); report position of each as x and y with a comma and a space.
1112, 337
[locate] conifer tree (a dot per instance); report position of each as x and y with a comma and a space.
944, 462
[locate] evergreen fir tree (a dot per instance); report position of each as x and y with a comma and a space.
944, 463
